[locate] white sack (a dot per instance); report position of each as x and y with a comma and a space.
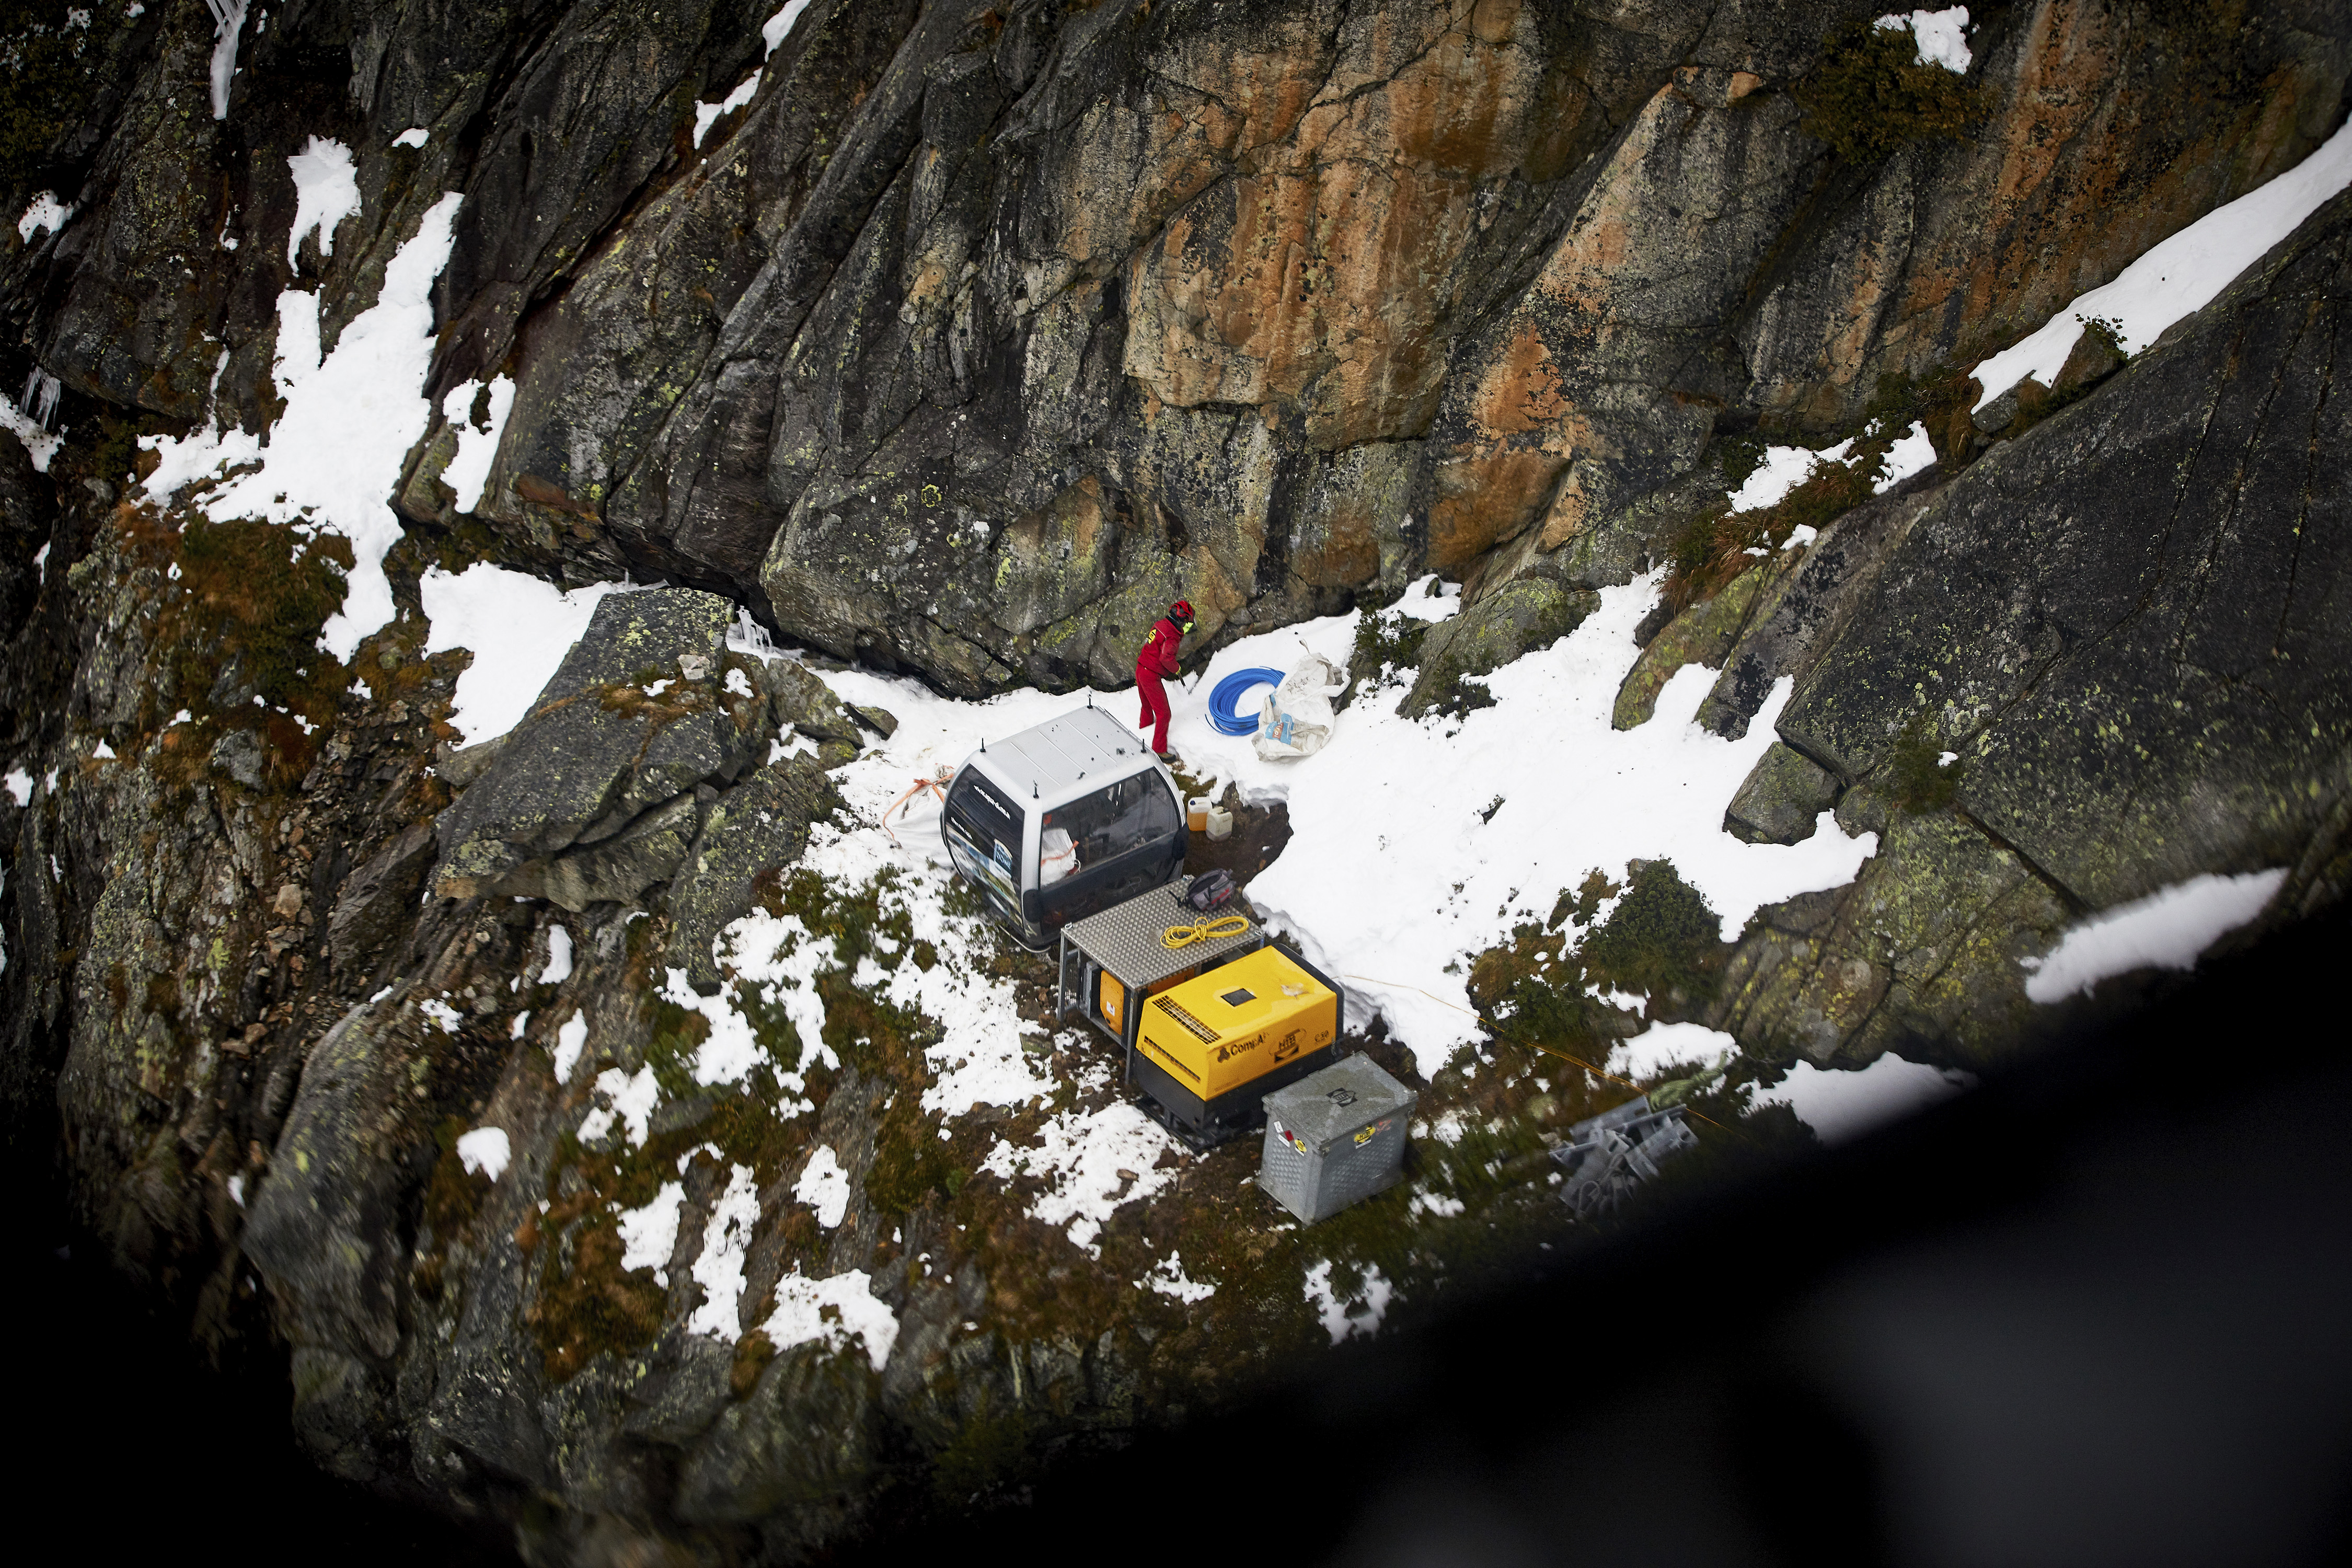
1297, 717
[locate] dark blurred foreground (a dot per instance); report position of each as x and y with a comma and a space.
2099, 1311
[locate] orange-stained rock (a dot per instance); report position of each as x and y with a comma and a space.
1318, 279
2107, 131
1484, 498
1570, 403
1521, 389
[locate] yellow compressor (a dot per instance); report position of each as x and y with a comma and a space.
1208, 1050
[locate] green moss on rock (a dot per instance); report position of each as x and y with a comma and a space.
1661, 940
1871, 94
1914, 776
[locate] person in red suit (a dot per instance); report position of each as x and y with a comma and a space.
1155, 661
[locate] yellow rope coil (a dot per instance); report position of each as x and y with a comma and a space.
1204, 931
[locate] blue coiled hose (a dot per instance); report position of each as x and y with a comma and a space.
1222, 717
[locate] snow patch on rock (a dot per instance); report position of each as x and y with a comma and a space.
649, 1234
571, 1038
2178, 276
326, 192
517, 628
484, 1150
823, 1185
1941, 36
1092, 1164
335, 455
832, 1311
631, 1099
44, 214
1360, 1311
559, 957
1663, 1045
726, 1244
1839, 1105
1168, 1279
2166, 929
476, 444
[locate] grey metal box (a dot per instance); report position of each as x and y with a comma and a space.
1334, 1138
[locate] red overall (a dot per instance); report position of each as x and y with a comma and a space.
1154, 662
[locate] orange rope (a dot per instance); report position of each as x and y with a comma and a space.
936, 785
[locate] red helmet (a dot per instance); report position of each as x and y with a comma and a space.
1180, 610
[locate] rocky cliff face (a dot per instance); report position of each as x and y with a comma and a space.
965, 340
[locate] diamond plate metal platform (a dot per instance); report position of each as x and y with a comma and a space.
1125, 938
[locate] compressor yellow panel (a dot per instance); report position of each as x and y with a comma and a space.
1238, 1022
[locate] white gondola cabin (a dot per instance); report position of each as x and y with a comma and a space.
1063, 820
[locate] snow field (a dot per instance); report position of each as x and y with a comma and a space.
1601, 797
1394, 876
1397, 873
1597, 797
